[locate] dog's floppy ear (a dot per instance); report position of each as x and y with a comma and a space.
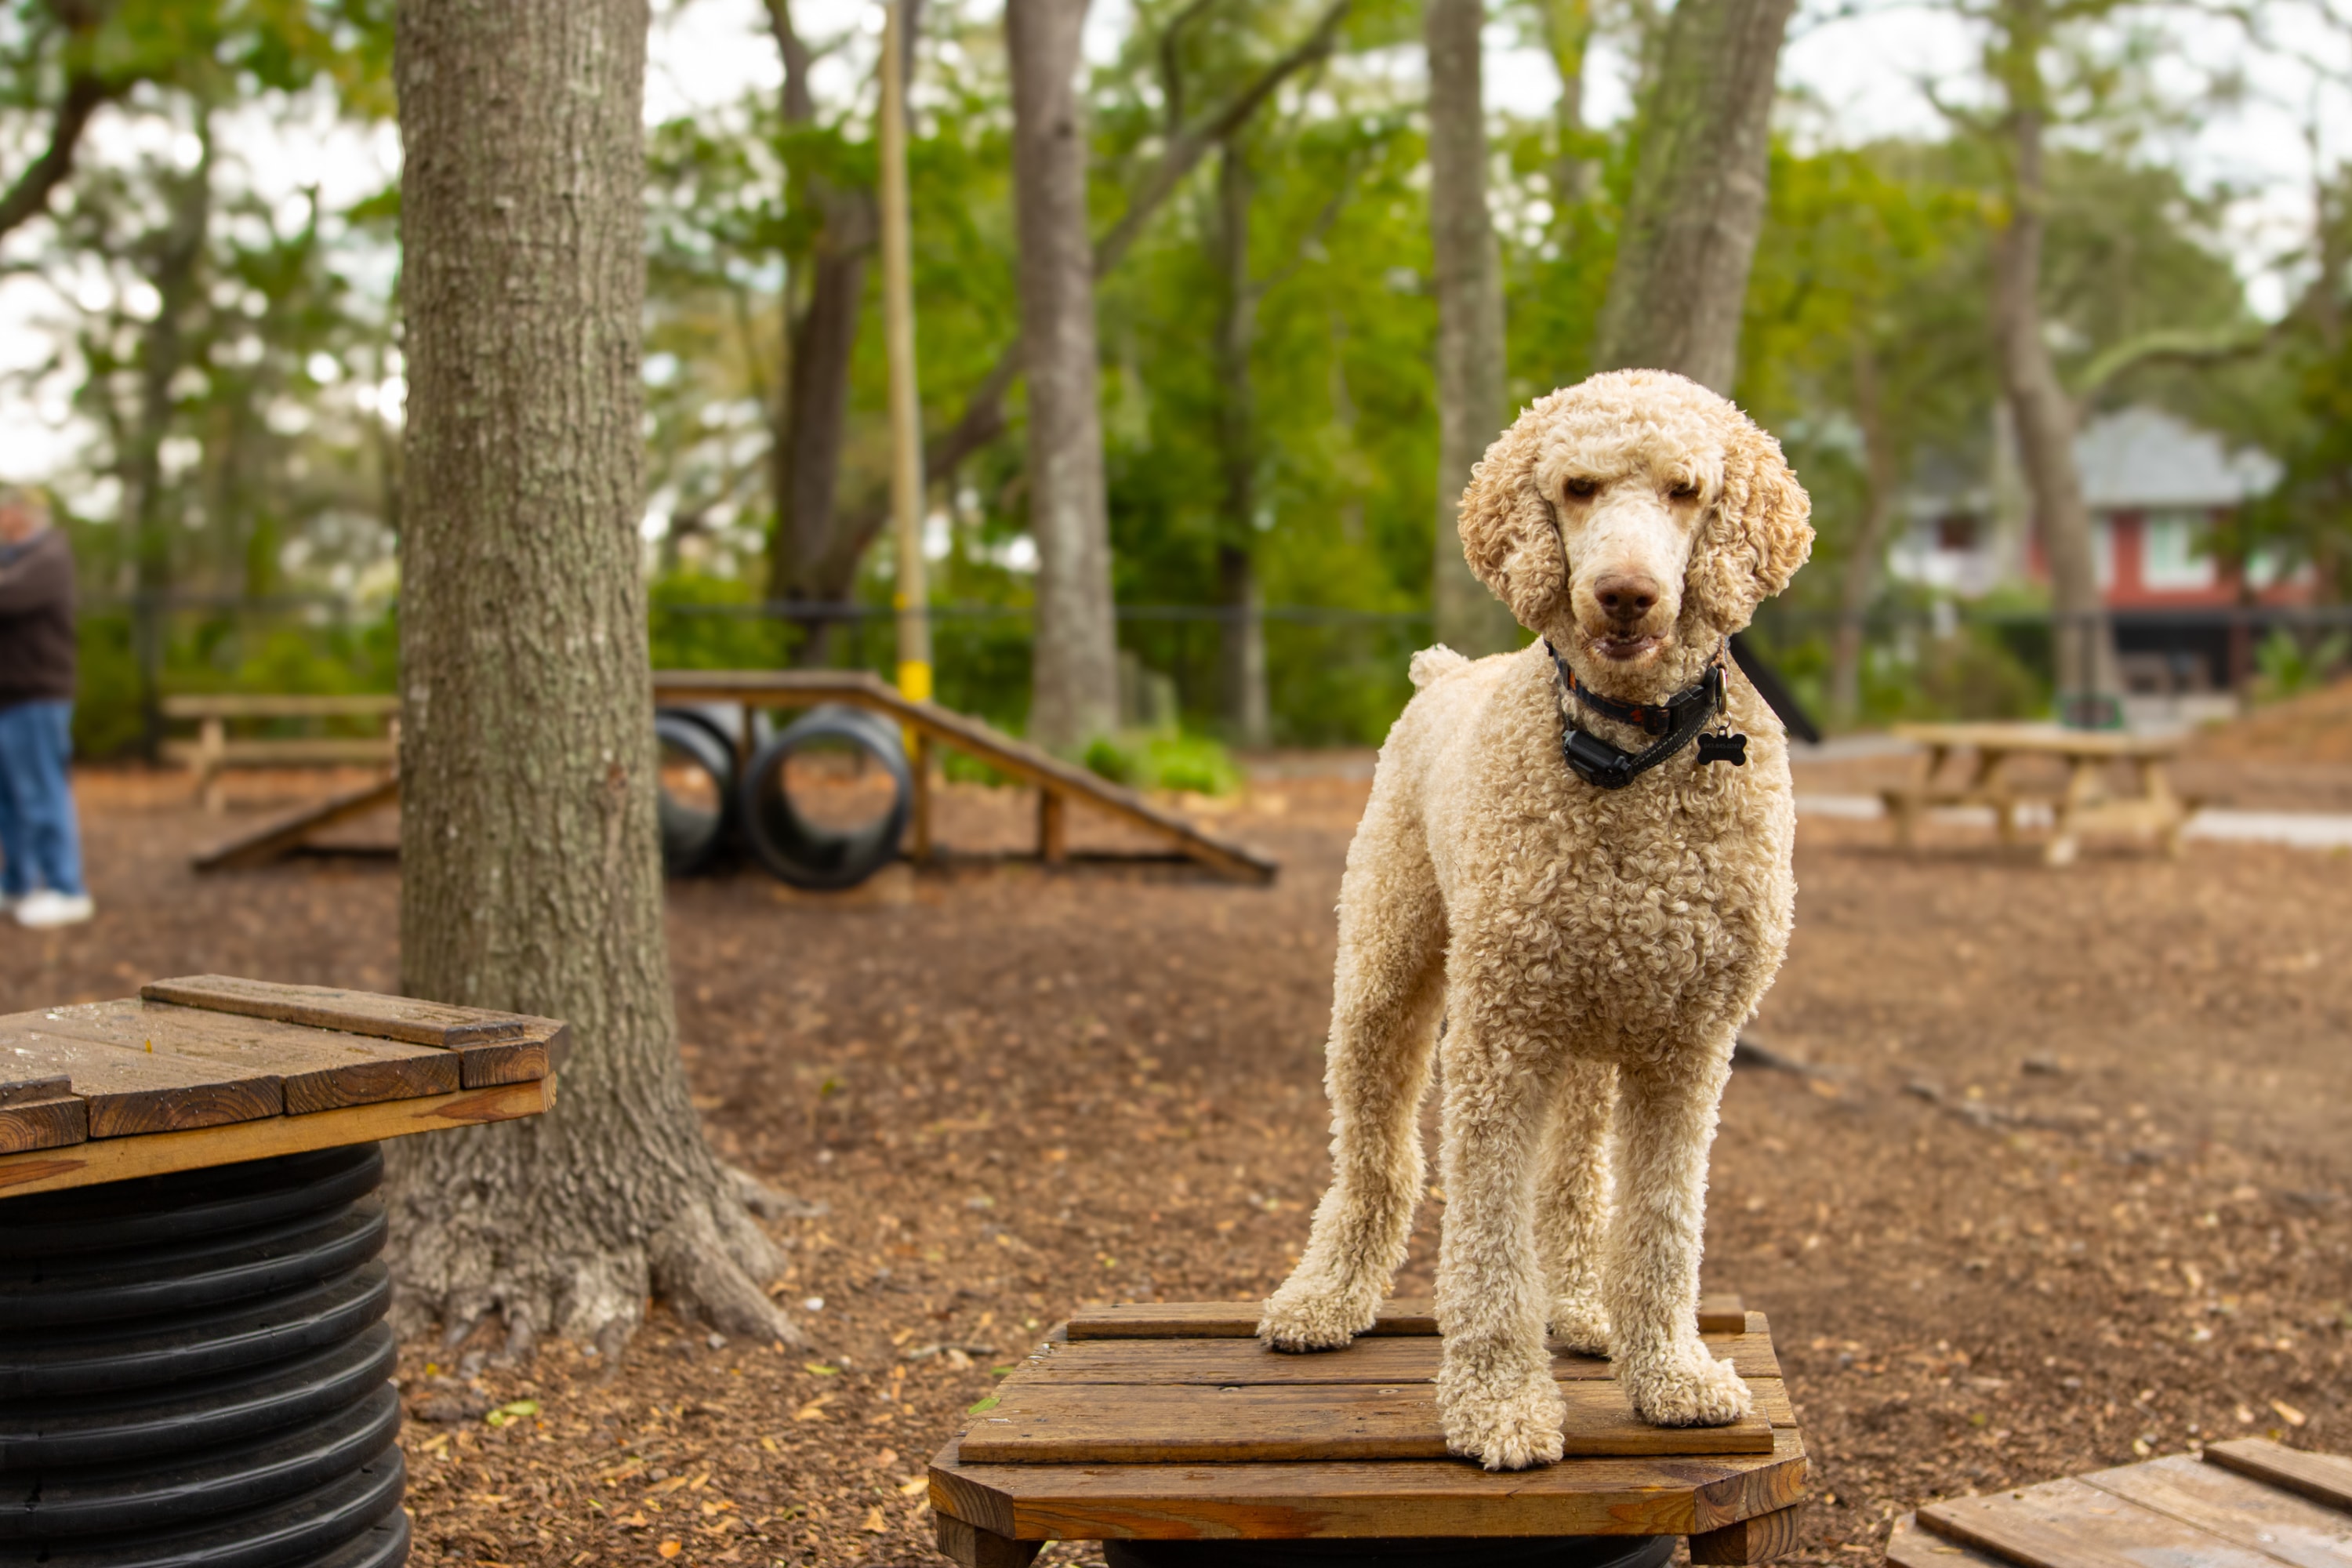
1508, 535
1759, 534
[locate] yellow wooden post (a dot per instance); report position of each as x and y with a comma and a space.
898, 341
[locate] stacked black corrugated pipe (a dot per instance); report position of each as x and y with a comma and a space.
195, 1373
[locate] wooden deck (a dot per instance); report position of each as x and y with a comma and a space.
2245, 1504
1169, 1422
211, 1069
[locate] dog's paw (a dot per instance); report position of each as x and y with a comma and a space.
1581, 1323
1692, 1390
1512, 1429
1314, 1316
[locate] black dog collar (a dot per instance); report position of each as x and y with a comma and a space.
1676, 722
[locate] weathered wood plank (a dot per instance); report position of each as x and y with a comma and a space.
41, 1113
1911, 1546
1759, 1539
1074, 1424
2257, 1516
493, 1047
1657, 1496
332, 1007
131, 1091
2324, 1478
118, 1160
320, 1069
2066, 1524
976, 1548
1238, 1320
1374, 1359
274, 841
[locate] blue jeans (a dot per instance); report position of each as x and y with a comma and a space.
39, 838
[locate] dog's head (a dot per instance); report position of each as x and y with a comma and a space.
1634, 519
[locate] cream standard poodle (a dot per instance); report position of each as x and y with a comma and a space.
1591, 950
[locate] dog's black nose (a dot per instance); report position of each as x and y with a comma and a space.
1627, 596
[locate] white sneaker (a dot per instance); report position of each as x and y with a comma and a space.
45, 908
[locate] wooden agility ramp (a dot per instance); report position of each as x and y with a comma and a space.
1060, 785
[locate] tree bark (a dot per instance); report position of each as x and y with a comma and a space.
2084, 641
530, 878
1568, 33
1470, 345
1881, 475
1697, 202
1074, 689
1241, 647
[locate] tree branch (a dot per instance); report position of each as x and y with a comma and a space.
2183, 345
29, 195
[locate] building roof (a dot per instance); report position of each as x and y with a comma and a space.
2145, 458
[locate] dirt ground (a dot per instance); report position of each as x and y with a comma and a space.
2062, 1178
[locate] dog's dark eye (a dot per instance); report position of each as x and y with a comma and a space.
1583, 489
1686, 490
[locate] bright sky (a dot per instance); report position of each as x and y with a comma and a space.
1856, 79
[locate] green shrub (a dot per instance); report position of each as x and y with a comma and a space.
2289, 666
1144, 759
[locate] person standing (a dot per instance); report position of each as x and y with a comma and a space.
40, 877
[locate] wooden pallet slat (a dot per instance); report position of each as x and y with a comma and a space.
2069, 1524
1670, 1495
319, 1070
1387, 1358
129, 1091
2323, 1478
1048, 1424
492, 1048
1398, 1315
2253, 1514
273, 841
1757, 1539
41, 1112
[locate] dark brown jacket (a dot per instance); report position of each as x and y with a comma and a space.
36, 620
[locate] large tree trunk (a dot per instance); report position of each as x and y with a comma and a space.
1241, 647
2084, 643
1881, 475
1074, 687
1468, 264
530, 874
1697, 202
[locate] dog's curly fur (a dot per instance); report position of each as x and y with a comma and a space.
1592, 953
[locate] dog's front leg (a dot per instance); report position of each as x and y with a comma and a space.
1495, 1389
1667, 1111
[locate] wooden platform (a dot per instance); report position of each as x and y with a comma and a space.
210, 1070
1171, 1422
2246, 1504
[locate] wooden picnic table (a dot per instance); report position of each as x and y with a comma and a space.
193, 1362
1165, 1423
2084, 804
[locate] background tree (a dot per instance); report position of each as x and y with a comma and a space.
1074, 687
530, 878
1470, 338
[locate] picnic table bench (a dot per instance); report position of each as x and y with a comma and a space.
2084, 804
213, 749
193, 1362
1150, 1426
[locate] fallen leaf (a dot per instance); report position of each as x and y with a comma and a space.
671, 1485
515, 1410
875, 1523
672, 1548
914, 1485
987, 1404
2288, 1413
886, 1458
813, 1411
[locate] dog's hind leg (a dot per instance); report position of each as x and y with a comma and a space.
1572, 1206
1385, 1001
1667, 1113
1495, 1388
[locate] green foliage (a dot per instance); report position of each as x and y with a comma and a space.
2290, 665
1154, 759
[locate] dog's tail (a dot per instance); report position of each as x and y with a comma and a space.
1431, 665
